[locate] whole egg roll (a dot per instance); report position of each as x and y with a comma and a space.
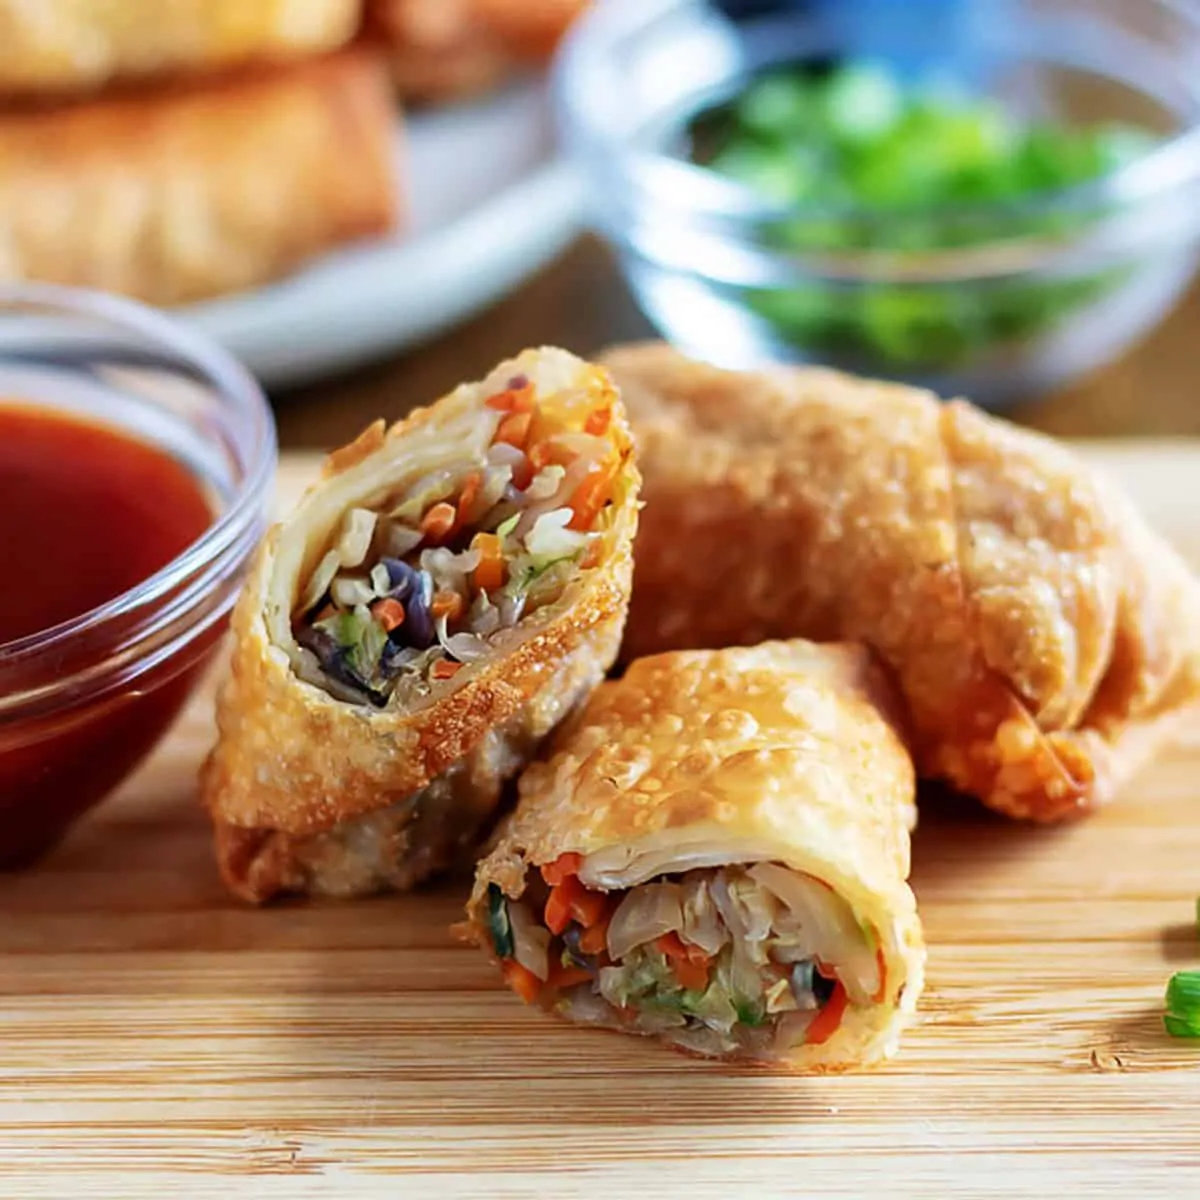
1046, 641
440, 599
716, 854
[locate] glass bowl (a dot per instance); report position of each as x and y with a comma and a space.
1025, 295
83, 702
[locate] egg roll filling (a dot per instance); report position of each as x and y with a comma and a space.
413, 589
756, 958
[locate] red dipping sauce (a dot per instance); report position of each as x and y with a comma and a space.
87, 512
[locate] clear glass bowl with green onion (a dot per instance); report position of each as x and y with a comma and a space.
987, 205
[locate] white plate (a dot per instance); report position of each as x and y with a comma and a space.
488, 204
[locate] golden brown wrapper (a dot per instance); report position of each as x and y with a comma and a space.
68, 45
1045, 639
312, 794
180, 192
784, 752
448, 49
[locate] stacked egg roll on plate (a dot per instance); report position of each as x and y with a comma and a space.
1045, 640
440, 599
716, 854
197, 188
72, 45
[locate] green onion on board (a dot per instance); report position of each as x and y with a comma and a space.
1182, 1018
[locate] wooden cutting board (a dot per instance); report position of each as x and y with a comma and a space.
159, 1039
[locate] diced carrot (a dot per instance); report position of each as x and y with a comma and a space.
558, 908
588, 907
468, 496
592, 495
881, 963
490, 572
388, 612
594, 939
693, 976
522, 473
675, 948
598, 421
522, 980
437, 523
444, 668
447, 604
514, 429
518, 399
565, 864
825, 1023
565, 977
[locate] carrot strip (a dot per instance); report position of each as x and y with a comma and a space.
514, 429
565, 864
588, 907
491, 570
522, 980
692, 976
558, 908
468, 496
444, 668
594, 939
565, 977
825, 1024
522, 474
592, 495
518, 399
389, 612
598, 421
881, 962
437, 523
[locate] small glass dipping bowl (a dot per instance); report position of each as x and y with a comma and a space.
1009, 298
83, 702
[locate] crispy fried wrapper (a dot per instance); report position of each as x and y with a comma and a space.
1046, 641
717, 854
192, 189
323, 781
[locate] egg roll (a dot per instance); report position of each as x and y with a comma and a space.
440, 599
72, 45
716, 854
1045, 640
178, 193
449, 49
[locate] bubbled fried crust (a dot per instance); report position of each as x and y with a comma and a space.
189, 190
292, 759
69, 45
1045, 639
744, 739
789, 747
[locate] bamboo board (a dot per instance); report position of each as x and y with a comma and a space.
158, 1039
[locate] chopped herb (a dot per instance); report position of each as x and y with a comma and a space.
1180, 1027
498, 922
750, 1012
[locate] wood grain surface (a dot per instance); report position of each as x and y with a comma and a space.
158, 1039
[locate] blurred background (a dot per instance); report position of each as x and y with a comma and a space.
371, 200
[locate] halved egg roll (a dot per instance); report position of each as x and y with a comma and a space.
1045, 640
717, 854
444, 595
